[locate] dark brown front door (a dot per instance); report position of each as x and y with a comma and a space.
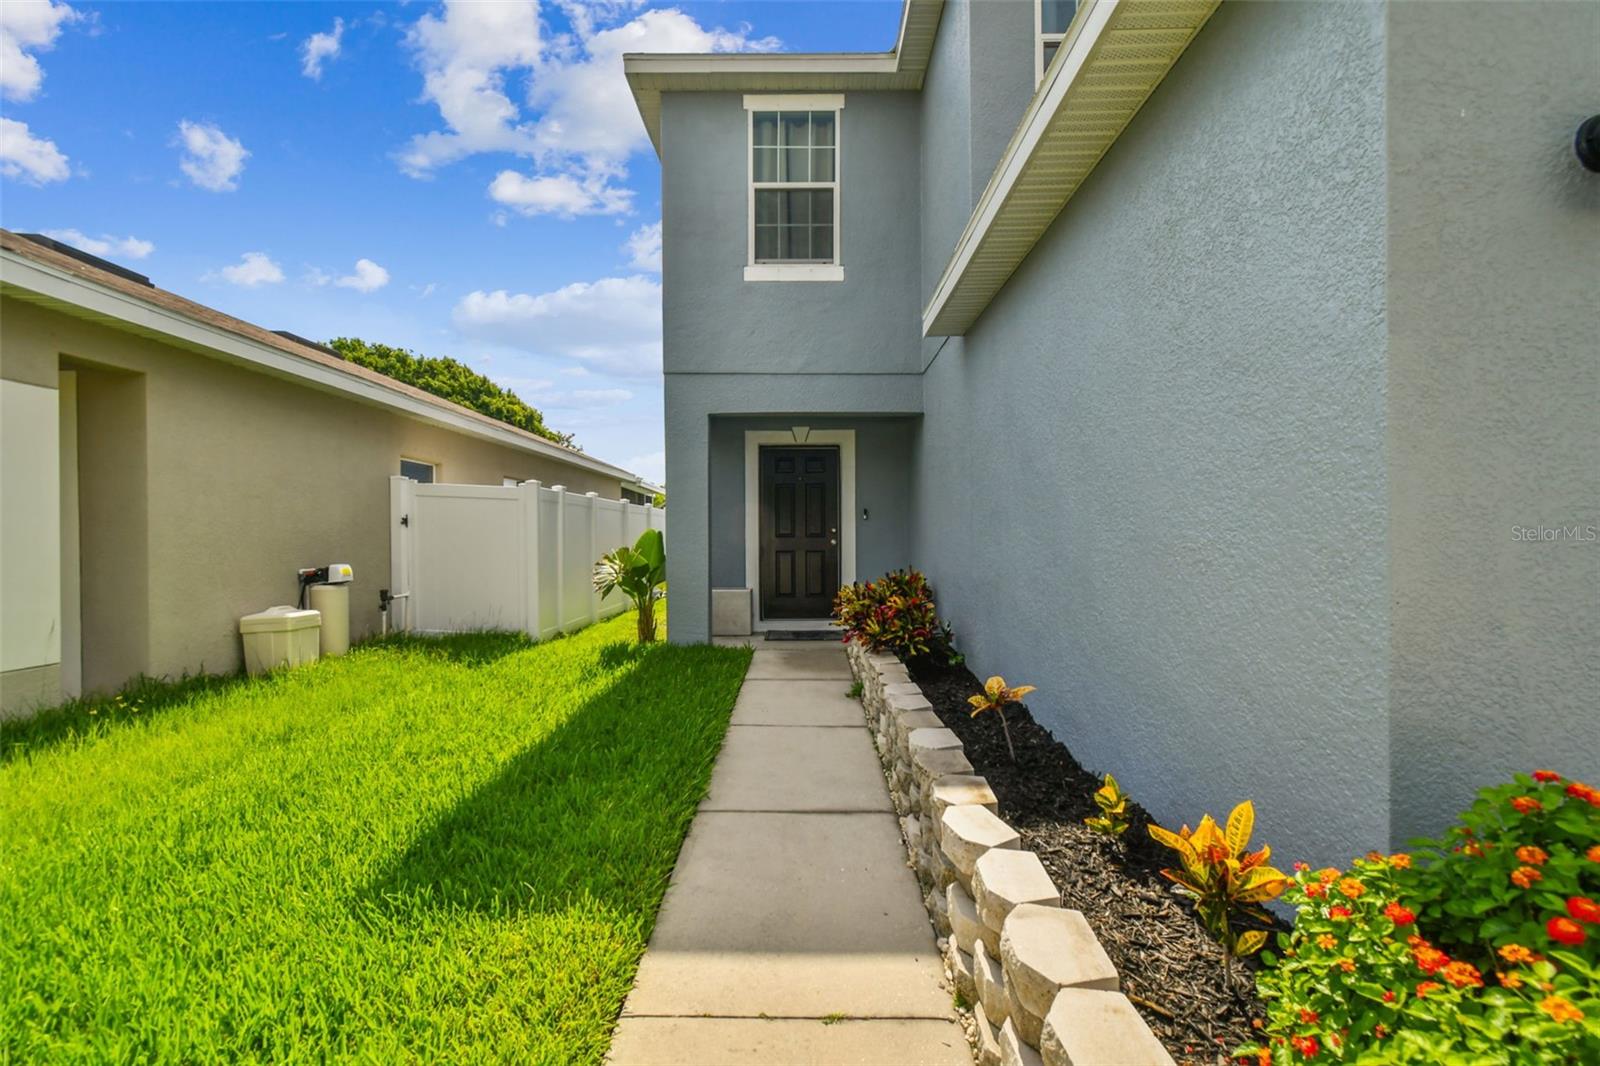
799, 531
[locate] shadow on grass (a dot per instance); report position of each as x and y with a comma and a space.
145, 698
597, 809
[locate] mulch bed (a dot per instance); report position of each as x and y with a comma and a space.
1171, 968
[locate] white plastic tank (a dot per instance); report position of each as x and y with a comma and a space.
279, 636
333, 601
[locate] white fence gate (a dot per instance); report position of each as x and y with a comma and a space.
465, 557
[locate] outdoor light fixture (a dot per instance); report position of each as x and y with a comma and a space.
1587, 143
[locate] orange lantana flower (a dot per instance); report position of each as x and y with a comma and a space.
1327, 942
1525, 876
1516, 953
1560, 1009
1352, 888
1400, 860
1533, 856
1427, 986
1593, 854
1327, 875
1462, 974
1509, 980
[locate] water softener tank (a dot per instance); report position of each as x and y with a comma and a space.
333, 601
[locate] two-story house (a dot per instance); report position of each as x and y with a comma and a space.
1219, 364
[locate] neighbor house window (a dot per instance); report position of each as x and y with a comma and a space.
794, 187
417, 470
1050, 19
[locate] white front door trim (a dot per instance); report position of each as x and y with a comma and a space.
845, 441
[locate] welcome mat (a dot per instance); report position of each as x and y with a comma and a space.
802, 634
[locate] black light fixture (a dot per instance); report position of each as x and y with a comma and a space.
1587, 143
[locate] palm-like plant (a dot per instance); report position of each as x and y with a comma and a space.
994, 697
639, 572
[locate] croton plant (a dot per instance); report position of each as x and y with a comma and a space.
895, 614
1480, 947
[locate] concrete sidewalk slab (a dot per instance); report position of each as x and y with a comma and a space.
812, 661
797, 768
792, 916
781, 703
802, 1042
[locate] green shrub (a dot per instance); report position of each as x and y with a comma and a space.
1482, 947
450, 380
896, 614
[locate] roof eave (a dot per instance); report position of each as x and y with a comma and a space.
1116, 53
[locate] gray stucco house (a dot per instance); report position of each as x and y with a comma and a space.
1229, 369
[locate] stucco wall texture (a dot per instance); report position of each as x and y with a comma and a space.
204, 486
1173, 415
1494, 398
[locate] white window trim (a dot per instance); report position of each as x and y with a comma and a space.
1040, 38
754, 271
430, 464
845, 441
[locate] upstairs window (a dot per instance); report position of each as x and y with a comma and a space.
1050, 21
794, 188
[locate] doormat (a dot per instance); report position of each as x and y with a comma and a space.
802, 634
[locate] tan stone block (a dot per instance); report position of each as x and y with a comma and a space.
991, 983
968, 832
960, 963
988, 1039
1046, 949
960, 790
965, 926
1092, 1027
1013, 1052
1003, 879
1028, 1023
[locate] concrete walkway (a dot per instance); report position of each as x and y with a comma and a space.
792, 931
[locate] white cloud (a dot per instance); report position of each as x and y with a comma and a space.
28, 26
613, 324
580, 124
368, 277
465, 55
319, 48
104, 245
256, 268
651, 466
644, 247
558, 194
211, 159
22, 155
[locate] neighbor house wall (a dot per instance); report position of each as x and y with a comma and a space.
1494, 398
1151, 479
204, 486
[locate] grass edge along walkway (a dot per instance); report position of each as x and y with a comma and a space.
429, 849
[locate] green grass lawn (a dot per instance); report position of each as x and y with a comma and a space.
447, 849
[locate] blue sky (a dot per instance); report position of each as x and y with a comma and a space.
466, 180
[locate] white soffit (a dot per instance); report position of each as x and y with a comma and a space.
652, 73
1115, 54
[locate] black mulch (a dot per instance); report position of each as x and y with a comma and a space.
1171, 968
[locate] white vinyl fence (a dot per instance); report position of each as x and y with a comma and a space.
464, 557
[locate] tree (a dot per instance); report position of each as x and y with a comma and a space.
450, 380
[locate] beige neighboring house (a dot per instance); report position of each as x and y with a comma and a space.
166, 468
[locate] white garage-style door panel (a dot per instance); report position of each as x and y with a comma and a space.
30, 526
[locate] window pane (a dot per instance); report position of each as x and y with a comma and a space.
796, 164
767, 206
795, 242
822, 206
765, 166
766, 243
796, 128
822, 164
416, 471
822, 242
1056, 15
765, 130
822, 127
1050, 51
797, 207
